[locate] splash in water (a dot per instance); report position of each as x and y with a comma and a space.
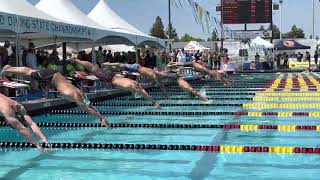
137, 95
203, 91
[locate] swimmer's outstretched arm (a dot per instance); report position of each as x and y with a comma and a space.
18, 70
32, 125
93, 111
110, 64
15, 123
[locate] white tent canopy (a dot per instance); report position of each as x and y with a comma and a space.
261, 42
103, 15
195, 46
113, 48
66, 10
19, 16
106, 17
120, 48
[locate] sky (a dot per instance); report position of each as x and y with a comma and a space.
142, 14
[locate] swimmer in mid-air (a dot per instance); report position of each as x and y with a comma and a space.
183, 84
16, 116
120, 82
136, 68
64, 87
201, 67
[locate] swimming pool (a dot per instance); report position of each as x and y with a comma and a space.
86, 163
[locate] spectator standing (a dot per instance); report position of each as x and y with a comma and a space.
197, 56
109, 57
182, 56
316, 56
308, 58
278, 59
257, 58
147, 59
100, 56
4, 53
153, 60
299, 57
210, 60
31, 59
285, 60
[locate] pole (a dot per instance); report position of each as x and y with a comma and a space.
245, 27
281, 20
271, 24
313, 19
222, 30
18, 59
170, 25
64, 50
136, 48
93, 53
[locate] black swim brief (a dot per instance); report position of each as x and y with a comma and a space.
43, 75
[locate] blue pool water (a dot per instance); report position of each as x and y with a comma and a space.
143, 164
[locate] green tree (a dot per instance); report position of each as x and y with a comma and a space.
157, 29
187, 38
174, 34
295, 33
276, 31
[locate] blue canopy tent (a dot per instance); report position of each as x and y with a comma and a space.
289, 44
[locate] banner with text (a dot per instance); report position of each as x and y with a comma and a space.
27, 24
250, 34
298, 65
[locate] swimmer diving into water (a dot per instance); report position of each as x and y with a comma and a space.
64, 87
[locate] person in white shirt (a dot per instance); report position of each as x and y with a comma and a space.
182, 56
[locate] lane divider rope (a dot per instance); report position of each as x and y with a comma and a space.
182, 98
286, 98
247, 127
245, 106
252, 114
232, 98
278, 90
163, 104
208, 93
203, 148
286, 94
208, 90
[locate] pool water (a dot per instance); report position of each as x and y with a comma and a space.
153, 164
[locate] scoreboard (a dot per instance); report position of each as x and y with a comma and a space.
246, 11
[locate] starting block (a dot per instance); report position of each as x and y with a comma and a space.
14, 89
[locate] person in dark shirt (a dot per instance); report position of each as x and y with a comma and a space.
123, 58
197, 56
4, 54
147, 59
109, 56
257, 58
278, 59
308, 58
299, 57
153, 61
316, 56
285, 60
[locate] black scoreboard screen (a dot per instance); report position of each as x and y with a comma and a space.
246, 11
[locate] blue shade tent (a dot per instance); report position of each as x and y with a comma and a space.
289, 44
